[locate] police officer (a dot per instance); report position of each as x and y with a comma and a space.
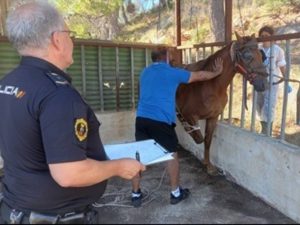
54, 162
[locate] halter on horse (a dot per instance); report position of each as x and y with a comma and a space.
206, 100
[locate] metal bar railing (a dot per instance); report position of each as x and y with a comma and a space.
100, 77
271, 90
285, 95
197, 54
117, 79
243, 103
298, 106
253, 114
132, 78
230, 103
189, 59
83, 71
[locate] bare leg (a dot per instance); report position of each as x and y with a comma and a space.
173, 171
136, 183
136, 195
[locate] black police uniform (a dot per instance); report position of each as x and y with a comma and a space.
44, 120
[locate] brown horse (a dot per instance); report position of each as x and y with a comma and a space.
206, 100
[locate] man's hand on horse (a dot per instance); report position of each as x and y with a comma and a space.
218, 66
207, 75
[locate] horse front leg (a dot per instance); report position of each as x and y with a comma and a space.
192, 127
209, 130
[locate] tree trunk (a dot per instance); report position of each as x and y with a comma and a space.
114, 27
165, 4
217, 15
4, 4
124, 15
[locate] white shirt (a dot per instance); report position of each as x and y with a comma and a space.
278, 59
263, 98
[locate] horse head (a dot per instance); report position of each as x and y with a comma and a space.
248, 61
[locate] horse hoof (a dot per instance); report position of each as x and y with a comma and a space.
204, 164
214, 171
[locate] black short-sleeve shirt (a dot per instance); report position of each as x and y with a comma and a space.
44, 120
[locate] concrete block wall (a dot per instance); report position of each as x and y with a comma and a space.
117, 127
268, 168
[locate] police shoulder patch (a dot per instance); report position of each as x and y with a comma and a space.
81, 129
57, 79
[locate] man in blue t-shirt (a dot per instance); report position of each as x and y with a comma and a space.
156, 114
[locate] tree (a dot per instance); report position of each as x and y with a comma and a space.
4, 5
217, 15
92, 18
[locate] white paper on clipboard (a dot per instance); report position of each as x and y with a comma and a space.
150, 151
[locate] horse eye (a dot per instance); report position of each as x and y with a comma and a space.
247, 55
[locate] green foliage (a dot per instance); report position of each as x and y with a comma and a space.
200, 34
275, 5
89, 7
83, 16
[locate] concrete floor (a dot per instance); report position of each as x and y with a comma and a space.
213, 200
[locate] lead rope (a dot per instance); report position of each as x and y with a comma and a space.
193, 128
282, 79
120, 198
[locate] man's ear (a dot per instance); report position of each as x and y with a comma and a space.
55, 40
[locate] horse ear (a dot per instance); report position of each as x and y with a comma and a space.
238, 37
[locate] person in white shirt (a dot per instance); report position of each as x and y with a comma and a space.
274, 59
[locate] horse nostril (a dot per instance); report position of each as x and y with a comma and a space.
260, 85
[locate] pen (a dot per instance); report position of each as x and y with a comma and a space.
137, 157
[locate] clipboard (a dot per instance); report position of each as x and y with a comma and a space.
150, 151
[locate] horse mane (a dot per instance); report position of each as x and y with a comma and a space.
206, 64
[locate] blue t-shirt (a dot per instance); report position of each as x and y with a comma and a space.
158, 85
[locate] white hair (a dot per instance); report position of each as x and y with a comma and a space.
30, 25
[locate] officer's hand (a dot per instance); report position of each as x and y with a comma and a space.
129, 168
218, 66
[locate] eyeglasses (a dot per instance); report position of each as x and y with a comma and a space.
71, 33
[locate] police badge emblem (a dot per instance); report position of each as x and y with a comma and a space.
81, 129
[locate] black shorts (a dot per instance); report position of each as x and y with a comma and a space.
161, 132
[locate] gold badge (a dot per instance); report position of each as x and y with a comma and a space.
81, 129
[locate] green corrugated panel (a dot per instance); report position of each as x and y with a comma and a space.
125, 78
92, 77
139, 65
75, 69
108, 56
9, 58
